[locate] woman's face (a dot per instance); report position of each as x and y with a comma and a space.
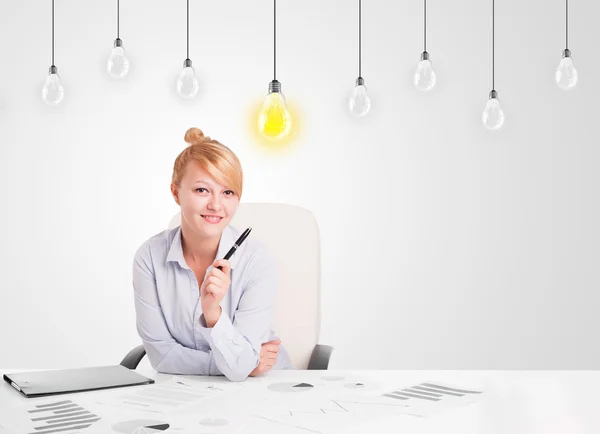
206, 206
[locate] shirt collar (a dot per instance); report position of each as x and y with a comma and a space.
175, 253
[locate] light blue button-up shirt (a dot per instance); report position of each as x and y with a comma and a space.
169, 315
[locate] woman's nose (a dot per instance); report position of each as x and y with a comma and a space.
214, 203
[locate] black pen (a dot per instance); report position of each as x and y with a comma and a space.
235, 246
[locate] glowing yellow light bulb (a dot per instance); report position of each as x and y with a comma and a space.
274, 120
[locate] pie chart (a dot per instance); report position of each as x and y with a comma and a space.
290, 387
355, 385
142, 426
361, 386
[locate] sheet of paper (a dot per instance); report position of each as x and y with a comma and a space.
320, 404
173, 395
428, 398
52, 415
181, 423
326, 404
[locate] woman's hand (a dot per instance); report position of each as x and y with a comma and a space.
213, 290
268, 357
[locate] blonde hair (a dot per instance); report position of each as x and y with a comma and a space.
213, 157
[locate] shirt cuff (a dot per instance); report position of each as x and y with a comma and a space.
223, 338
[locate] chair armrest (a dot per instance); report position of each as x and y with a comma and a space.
319, 359
133, 358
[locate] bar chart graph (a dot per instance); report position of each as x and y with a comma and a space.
60, 417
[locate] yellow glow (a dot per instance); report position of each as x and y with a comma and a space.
274, 120
284, 145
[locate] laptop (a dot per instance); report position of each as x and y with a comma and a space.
56, 382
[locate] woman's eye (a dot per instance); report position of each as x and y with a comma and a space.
199, 190
229, 193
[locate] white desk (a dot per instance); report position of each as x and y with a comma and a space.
512, 402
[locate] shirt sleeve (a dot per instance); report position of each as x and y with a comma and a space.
236, 345
164, 352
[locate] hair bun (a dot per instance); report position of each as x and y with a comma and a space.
194, 135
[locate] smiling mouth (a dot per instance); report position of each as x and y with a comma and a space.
212, 219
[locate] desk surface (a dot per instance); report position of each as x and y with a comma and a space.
303, 402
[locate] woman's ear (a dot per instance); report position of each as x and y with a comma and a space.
175, 193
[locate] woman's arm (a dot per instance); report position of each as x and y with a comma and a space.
164, 352
236, 346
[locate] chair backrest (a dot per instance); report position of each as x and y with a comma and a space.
292, 235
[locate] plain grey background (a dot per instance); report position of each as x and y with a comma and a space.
444, 245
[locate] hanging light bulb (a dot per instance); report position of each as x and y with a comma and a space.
53, 91
274, 119
424, 75
187, 85
566, 74
424, 78
493, 116
359, 102
117, 65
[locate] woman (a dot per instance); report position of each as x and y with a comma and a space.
194, 318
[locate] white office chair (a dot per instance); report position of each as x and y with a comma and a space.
292, 235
